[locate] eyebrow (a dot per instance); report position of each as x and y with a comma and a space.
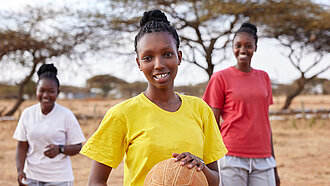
163, 49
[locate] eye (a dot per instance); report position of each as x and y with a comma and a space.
168, 54
237, 45
248, 46
146, 58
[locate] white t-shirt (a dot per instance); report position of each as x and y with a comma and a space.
58, 127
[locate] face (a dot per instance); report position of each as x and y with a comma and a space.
47, 92
158, 58
243, 47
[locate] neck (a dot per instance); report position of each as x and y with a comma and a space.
165, 99
243, 68
47, 110
160, 95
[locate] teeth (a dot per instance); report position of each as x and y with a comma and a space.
160, 76
242, 55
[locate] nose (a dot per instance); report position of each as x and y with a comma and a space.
45, 94
159, 63
243, 49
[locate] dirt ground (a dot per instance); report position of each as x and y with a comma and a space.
302, 146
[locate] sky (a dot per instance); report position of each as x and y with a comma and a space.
269, 57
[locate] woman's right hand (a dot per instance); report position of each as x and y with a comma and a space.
20, 177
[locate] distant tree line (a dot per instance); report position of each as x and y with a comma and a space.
65, 36
110, 87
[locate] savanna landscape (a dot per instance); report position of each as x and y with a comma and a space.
302, 145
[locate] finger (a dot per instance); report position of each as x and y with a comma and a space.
193, 163
181, 156
187, 159
175, 155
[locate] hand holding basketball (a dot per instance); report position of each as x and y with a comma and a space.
188, 158
171, 172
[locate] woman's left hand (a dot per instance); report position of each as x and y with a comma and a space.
190, 159
52, 151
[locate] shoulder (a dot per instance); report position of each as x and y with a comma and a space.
31, 109
264, 73
223, 72
194, 101
129, 105
62, 109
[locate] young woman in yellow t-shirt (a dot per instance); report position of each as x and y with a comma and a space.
159, 123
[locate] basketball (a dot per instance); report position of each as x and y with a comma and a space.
170, 172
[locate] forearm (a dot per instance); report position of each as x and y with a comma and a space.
72, 149
211, 176
21, 151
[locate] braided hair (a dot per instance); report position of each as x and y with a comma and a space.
248, 28
155, 21
48, 71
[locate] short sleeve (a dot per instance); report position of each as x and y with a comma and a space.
215, 92
213, 148
74, 133
108, 144
20, 132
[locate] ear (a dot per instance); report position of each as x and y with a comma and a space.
179, 56
138, 63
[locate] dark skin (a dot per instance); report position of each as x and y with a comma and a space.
47, 92
158, 58
243, 48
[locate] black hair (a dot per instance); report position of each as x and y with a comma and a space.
155, 21
248, 28
48, 71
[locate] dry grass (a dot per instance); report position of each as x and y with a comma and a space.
301, 146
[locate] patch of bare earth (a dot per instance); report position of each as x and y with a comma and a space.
302, 146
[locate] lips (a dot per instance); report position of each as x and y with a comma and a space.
161, 76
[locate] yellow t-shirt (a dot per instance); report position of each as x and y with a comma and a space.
147, 134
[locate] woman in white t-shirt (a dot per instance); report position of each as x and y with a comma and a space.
47, 134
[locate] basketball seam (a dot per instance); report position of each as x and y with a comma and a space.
177, 175
164, 172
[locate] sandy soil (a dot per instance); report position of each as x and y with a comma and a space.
302, 146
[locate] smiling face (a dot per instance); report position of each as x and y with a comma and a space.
158, 58
47, 92
243, 47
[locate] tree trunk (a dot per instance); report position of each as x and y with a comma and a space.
301, 82
20, 98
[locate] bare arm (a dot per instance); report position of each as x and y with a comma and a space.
21, 151
217, 114
54, 150
99, 174
277, 177
212, 173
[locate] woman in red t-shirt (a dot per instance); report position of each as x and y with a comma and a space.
241, 95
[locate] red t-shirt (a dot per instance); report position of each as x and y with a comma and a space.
243, 100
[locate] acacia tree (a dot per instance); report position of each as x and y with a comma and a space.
205, 27
303, 28
27, 42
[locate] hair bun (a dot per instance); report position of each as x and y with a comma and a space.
250, 26
154, 15
47, 68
